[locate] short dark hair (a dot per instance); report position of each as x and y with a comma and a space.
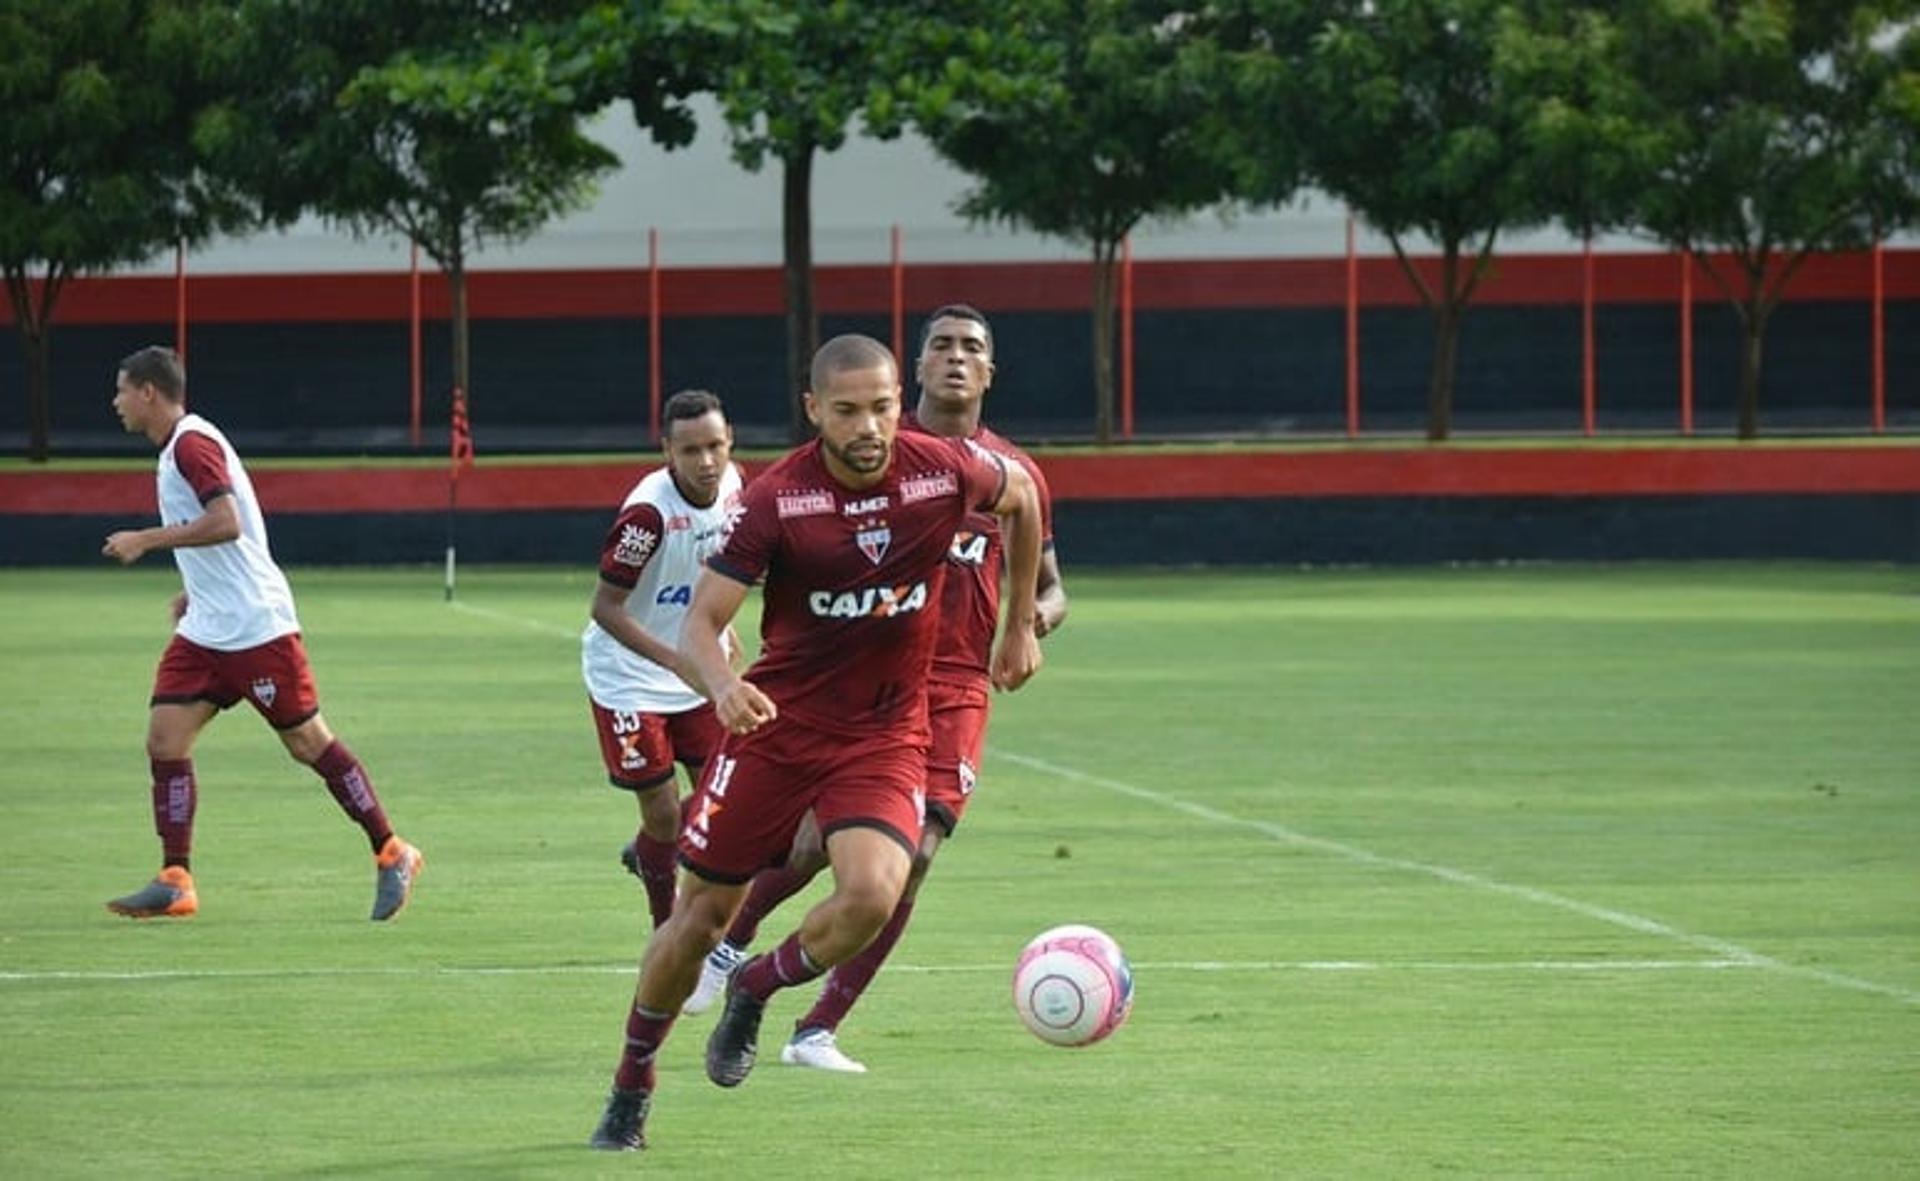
849, 352
690, 404
157, 366
954, 311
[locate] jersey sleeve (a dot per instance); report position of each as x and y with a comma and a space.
983, 473
203, 465
631, 544
750, 543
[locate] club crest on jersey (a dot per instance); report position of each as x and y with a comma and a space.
873, 602
873, 542
264, 691
634, 545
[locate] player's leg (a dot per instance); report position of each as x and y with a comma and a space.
771, 887
650, 855
870, 867
172, 727
958, 716
815, 1041
668, 971
397, 864
637, 751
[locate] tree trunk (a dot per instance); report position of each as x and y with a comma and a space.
1447, 312
1753, 327
39, 397
803, 320
35, 324
1104, 283
1446, 347
462, 353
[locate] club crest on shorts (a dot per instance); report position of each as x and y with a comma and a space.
874, 542
264, 691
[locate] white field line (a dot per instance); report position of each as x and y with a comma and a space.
1722, 949
1587, 966
520, 621
1727, 952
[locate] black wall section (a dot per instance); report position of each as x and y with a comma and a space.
1372, 530
581, 384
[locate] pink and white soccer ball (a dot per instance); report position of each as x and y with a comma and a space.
1072, 986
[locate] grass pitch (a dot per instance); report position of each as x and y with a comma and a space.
1532, 872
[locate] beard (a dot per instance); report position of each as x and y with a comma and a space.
867, 461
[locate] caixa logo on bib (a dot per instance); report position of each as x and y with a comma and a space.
873, 602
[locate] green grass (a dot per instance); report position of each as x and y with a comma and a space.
1545, 871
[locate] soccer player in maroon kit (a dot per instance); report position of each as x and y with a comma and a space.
955, 371
850, 534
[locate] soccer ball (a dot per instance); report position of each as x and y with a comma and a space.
1072, 986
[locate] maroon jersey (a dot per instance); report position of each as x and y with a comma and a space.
853, 578
970, 601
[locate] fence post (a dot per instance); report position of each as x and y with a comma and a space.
1686, 341
1126, 337
180, 299
1353, 332
1586, 336
653, 332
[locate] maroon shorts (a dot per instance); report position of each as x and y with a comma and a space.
758, 786
640, 749
274, 678
959, 717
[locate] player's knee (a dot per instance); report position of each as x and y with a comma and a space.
660, 813
866, 910
165, 748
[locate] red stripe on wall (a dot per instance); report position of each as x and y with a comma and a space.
1651, 471
1521, 279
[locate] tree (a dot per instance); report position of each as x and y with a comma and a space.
102, 99
1414, 128
1118, 121
794, 79
454, 124
1783, 128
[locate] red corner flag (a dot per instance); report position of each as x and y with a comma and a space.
462, 456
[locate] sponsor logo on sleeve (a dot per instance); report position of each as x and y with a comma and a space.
929, 486
634, 545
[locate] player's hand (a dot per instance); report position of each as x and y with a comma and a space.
179, 606
742, 709
125, 547
1016, 659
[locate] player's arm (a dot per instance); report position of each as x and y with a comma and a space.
1050, 599
610, 612
704, 663
220, 522
1017, 655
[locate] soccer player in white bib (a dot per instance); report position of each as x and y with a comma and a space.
236, 638
647, 718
